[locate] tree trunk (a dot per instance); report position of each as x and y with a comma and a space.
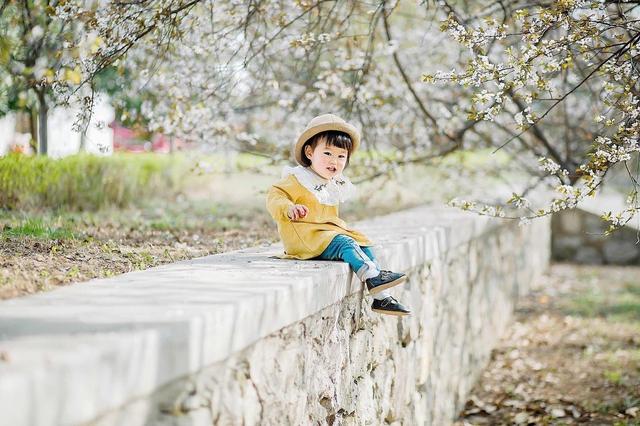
33, 130
42, 122
83, 142
24, 125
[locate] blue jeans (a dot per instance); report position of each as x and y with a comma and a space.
360, 258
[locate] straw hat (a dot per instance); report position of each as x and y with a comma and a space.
322, 123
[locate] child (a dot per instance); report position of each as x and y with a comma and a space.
305, 202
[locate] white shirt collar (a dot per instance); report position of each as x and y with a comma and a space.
331, 192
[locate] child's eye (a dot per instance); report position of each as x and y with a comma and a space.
327, 153
341, 156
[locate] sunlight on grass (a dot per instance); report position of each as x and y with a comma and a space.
37, 228
87, 182
623, 304
614, 377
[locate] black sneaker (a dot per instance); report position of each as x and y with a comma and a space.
384, 280
389, 306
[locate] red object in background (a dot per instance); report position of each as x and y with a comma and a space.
127, 140
161, 143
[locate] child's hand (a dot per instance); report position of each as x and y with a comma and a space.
297, 211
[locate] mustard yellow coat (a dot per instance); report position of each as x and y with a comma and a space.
308, 237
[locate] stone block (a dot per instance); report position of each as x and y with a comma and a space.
571, 221
588, 255
565, 247
621, 252
593, 224
578, 235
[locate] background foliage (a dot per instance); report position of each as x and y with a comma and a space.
86, 182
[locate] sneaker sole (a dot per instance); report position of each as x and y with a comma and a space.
390, 284
395, 313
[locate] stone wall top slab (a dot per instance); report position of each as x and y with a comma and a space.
80, 350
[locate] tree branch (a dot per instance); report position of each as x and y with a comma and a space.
615, 54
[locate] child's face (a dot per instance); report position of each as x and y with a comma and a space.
327, 161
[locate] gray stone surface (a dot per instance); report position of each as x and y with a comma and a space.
588, 255
621, 252
571, 222
578, 235
242, 338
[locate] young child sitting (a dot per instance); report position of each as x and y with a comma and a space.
305, 202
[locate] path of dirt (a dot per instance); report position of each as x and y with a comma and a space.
572, 355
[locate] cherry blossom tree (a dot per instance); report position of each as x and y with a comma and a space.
568, 73
51, 51
270, 67
268, 70
33, 49
553, 85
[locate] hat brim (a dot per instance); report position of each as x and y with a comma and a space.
312, 131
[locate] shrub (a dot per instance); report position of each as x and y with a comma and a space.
87, 182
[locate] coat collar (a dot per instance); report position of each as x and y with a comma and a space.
328, 191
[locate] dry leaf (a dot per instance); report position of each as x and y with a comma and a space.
575, 413
633, 411
521, 418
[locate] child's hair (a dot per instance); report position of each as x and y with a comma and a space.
331, 138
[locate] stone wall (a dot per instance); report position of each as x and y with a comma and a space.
243, 338
344, 365
578, 236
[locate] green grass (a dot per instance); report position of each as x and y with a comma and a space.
632, 288
218, 163
622, 304
191, 215
87, 182
176, 194
37, 228
614, 377
246, 161
154, 215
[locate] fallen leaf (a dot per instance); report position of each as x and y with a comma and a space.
490, 408
521, 418
633, 411
575, 413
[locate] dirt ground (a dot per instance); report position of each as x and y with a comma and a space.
572, 355
110, 245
